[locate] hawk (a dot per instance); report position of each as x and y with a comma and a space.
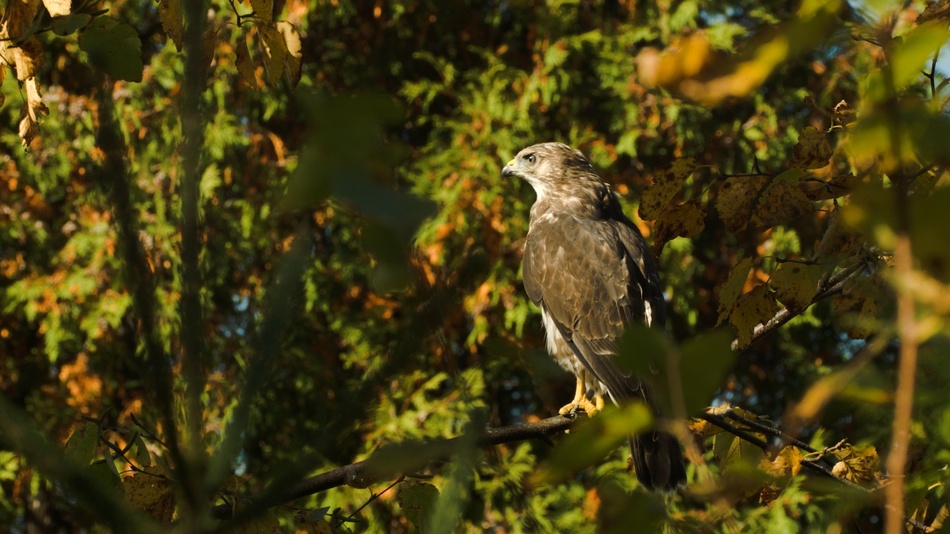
590, 271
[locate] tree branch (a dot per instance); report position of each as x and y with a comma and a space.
832, 286
356, 474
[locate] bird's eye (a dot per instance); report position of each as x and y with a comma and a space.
531, 158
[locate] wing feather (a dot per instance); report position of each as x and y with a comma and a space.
590, 277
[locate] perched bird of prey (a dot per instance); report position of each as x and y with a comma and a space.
589, 270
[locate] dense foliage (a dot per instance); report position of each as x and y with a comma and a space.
274, 239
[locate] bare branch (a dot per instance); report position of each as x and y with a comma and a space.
357, 475
832, 286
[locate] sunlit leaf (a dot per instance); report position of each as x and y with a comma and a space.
908, 55
591, 440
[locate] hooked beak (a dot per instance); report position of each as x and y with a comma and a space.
509, 169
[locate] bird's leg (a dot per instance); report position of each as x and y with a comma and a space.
580, 399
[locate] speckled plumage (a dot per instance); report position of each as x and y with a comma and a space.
589, 270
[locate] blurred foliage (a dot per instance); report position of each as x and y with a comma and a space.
778, 150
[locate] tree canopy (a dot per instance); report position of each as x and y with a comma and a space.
259, 268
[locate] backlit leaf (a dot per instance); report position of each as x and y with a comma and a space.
732, 287
684, 220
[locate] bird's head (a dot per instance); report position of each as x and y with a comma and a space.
551, 167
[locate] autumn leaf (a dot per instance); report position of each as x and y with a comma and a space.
752, 309
684, 220
861, 305
275, 48
151, 492
839, 240
243, 61
169, 13
666, 183
736, 197
293, 58
813, 150
263, 9
795, 284
732, 288
416, 502
780, 203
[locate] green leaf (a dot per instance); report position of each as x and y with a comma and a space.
68, 24
592, 440
114, 48
417, 501
704, 363
909, 54
82, 444
732, 288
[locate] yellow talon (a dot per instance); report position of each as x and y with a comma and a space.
581, 401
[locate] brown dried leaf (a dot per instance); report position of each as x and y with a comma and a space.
795, 284
169, 13
666, 183
17, 19
732, 288
780, 203
735, 199
857, 464
685, 220
813, 150
703, 428
935, 11
294, 55
752, 309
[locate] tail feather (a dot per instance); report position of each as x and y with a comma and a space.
658, 460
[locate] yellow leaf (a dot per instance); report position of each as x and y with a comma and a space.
292, 60
861, 305
752, 309
169, 13
780, 203
276, 50
263, 9
788, 462
666, 183
813, 150
736, 197
57, 8
732, 288
840, 240
685, 220
795, 284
